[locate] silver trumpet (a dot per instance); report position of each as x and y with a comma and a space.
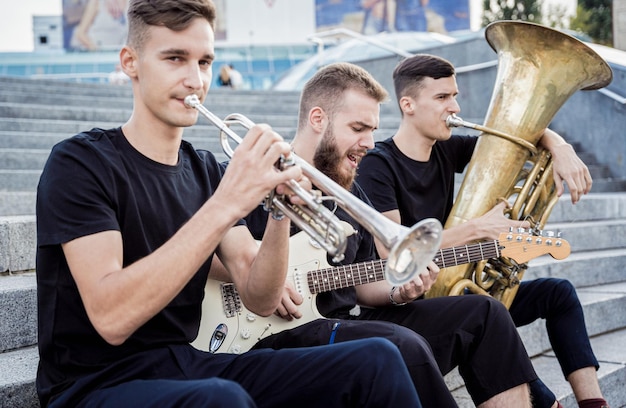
410, 249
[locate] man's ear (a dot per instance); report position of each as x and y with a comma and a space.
128, 61
406, 104
318, 119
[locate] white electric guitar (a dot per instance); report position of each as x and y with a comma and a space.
227, 326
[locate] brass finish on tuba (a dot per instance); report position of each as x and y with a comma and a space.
538, 70
410, 249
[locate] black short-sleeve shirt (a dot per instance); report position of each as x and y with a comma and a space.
419, 190
96, 181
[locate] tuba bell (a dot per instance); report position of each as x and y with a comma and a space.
539, 68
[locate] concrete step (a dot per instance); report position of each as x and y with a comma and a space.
17, 203
17, 378
24, 139
581, 267
17, 132
23, 159
19, 180
66, 90
609, 185
18, 301
277, 103
591, 207
116, 115
593, 235
18, 242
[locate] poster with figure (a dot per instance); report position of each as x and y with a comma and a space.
94, 25
375, 16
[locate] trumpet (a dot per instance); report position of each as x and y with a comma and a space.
410, 249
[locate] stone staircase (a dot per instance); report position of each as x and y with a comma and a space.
34, 115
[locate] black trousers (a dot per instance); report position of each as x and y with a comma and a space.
555, 301
415, 350
475, 333
362, 373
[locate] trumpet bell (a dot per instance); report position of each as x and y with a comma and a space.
413, 251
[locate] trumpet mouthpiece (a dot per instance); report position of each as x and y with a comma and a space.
191, 101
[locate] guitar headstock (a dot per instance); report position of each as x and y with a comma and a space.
522, 246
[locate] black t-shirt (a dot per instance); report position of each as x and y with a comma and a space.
417, 189
360, 248
93, 182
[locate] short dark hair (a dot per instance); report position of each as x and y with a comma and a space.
410, 72
173, 14
326, 87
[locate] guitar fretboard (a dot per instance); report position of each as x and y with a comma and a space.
327, 279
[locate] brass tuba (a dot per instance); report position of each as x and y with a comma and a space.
538, 70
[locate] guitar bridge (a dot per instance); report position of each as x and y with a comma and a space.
230, 299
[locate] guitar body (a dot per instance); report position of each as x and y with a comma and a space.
228, 327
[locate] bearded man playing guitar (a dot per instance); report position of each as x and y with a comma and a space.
339, 111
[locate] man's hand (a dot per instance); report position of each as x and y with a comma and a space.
494, 222
418, 285
251, 173
569, 168
291, 299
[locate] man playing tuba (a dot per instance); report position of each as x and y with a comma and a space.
410, 176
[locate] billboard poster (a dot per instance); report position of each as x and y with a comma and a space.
375, 16
94, 25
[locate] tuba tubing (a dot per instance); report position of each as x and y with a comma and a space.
410, 249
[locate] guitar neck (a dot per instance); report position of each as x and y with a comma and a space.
327, 279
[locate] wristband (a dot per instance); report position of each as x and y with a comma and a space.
391, 299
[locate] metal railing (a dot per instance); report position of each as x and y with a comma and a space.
318, 38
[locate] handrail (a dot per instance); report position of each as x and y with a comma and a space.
317, 38
617, 98
99, 76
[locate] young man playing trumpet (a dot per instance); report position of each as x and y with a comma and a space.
128, 220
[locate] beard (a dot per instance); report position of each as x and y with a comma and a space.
328, 160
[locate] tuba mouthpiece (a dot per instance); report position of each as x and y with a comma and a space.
454, 121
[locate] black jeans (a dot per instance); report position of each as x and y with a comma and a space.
475, 333
415, 350
362, 373
556, 301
